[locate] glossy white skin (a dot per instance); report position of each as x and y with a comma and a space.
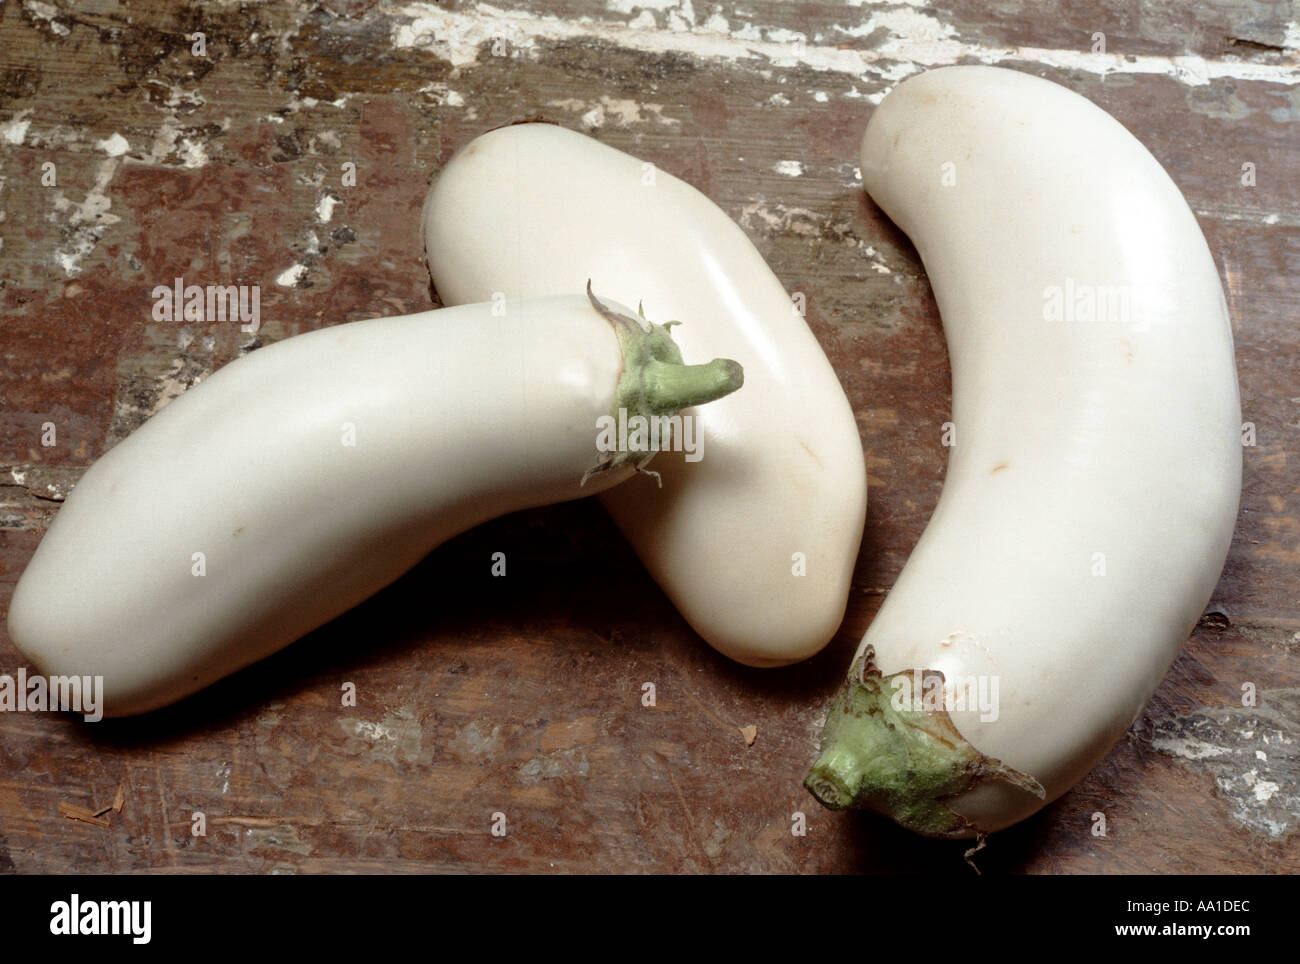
460, 416
535, 209
1114, 440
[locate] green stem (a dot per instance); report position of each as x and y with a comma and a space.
882, 751
655, 381
668, 387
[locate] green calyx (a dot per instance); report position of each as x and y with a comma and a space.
887, 754
656, 384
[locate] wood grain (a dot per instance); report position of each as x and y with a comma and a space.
523, 696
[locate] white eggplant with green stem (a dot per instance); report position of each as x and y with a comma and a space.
300, 479
1092, 489
756, 542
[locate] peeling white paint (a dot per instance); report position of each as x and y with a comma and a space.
89, 220
916, 41
800, 222
903, 26
788, 168
164, 141
179, 96
1258, 787
47, 12
1188, 748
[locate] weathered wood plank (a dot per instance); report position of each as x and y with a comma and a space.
522, 696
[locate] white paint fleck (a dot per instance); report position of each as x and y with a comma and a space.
441, 93
325, 208
114, 146
878, 265
620, 112
788, 168
370, 730
788, 220
779, 100
821, 96
15, 131
289, 277
328, 138
1264, 790
192, 153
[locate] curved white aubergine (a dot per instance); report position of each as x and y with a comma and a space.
755, 543
314, 472
1092, 489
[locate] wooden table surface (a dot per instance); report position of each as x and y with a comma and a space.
522, 695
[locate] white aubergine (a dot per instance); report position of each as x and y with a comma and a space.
1092, 490
314, 472
755, 543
